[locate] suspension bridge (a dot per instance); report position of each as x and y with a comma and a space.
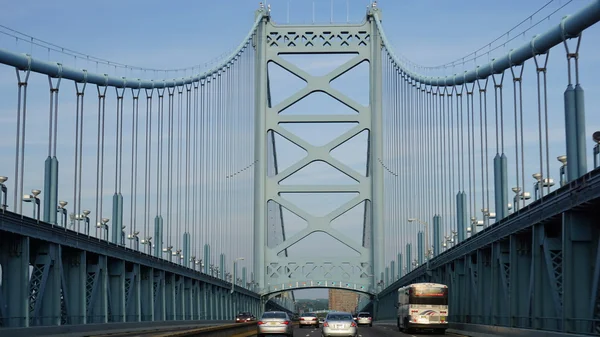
129, 200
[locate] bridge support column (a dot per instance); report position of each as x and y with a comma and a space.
45, 286
179, 298
577, 274
147, 293
206, 301
187, 299
420, 248
160, 313
500, 186
537, 287
117, 217
436, 234
519, 279
500, 282
575, 131
400, 272
471, 284
51, 189
74, 289
158, 233
408, 258
133, 305
461, 215
206, 261
483, 277
97, 289
222, 266
170, 296
197, 300
186, 249
117, 293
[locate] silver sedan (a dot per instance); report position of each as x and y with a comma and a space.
276, 323
339, 324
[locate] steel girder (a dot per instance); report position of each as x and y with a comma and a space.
27, 227
545, 276
70, 286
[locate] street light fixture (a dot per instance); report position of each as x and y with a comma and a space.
148, 241
33, 198
61, 209
4, 190
135, 237
87, 220
104, 225
563, 169
123, 235
596, 138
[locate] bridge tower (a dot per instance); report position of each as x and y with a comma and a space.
275, 270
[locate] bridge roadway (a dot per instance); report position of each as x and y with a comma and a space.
378, 330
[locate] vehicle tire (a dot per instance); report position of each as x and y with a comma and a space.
440, 331
370, 325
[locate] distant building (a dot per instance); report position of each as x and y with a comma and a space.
343, 300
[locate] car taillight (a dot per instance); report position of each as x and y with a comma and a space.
369, 318
286, 322
325, 324
353, 324
314, 319
261, 322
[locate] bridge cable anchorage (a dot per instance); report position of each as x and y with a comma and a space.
101, 90
170, 175
483, 134
20, 136
80, 92
51, 163
135, 93
518, 113
543, 132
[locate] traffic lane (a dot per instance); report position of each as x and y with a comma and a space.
377, 330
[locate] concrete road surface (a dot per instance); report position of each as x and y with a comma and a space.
378, 330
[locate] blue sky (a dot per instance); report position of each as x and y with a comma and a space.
193, 34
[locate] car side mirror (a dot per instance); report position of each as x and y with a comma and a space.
396, 306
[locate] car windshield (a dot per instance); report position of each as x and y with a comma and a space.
274, 315
339, 318
309, 315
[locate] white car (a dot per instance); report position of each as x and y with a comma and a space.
309, 319
339, 324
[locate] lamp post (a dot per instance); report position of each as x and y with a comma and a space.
135, 237
123, 235
426, 237
233, 265
537, 186
104, 225
148, 241
4, 190
595, 137
87, 220
168, 250
33, 198
563, 169
61, 209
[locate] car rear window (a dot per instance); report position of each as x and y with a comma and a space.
339, 318
364, 315
274, 315
309, 315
